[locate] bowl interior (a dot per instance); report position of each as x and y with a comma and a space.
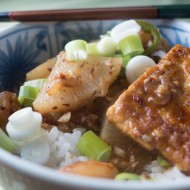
25, 46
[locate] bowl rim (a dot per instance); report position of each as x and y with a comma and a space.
60, 178
170, 22
52, 176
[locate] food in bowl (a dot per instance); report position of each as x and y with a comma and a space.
67, 128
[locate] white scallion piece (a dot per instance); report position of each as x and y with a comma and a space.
137, 66
107, 34
24, 125
76, 50
92, 48
124, 29
106, 46
36, 151
78, 55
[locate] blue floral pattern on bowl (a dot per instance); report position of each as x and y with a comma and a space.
20, 54
26, 45
65, 32
175, 35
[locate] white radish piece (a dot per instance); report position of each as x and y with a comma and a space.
137, 66
36, 151
124, 29
24, 125
41, 71
74, 84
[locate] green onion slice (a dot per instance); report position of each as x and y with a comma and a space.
127, 176
124, 29
94, 147
107, 34
125, 60
106, 46
5, 142
162, 162
76, 50
25, 101
27, 95
148, 27
37, 83
28, 91
131, 45
91, 48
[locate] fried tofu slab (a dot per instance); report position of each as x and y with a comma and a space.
155, 109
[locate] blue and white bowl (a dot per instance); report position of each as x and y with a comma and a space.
23, 47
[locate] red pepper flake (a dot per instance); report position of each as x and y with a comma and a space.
110, 72
62, 76
92, 70
94, 93
54, 108
49, 69
82, 64
2, 108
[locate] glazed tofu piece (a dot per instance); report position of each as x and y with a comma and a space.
155, 109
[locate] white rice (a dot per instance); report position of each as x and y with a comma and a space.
157, 172
63, 147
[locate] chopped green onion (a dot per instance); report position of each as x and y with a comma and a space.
91, 48
94, 147
107, 34
24, 125
124, 29
76, 50
26, 102
37, 83
28, 91
162, 162
125, 60
117, 55
148, 27
27, 95
127, 176
106, 46
6, 142
78, 55
131, 45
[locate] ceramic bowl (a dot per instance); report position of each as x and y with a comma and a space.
23, 47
